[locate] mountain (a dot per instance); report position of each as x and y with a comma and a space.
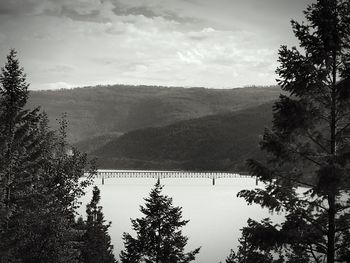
216, 142
96, 111
91, 144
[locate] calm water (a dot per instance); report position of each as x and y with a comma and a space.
216, 215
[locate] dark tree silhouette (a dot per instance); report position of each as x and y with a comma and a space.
257, 244
20, 154
308, 151
96, 240
159, 237
39, 181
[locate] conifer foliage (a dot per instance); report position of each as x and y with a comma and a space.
39, 182
307, 172
20, 150
159, 237
96, 240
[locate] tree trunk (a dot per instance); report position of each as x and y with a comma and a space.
331, 229
332, 191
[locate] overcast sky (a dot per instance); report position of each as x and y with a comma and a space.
209, 43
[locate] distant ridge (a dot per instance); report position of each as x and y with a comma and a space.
217, 142
96, 111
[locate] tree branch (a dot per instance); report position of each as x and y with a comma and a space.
313, 254
316, 142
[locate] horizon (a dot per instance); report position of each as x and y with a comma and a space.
187, 43
153, 86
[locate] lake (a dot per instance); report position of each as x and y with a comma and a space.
216, 215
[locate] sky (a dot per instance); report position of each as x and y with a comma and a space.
191, 43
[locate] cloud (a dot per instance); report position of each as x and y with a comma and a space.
224, 48
91, 16
152, 9
139, 10
18, 7
88, 42
2, 37
202, 34
60, 69
88, 10
54, 85
79, 10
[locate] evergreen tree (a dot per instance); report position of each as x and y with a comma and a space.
96, 240
307, 169
20, 155
159, 236
39, 182
61, 187
231, 257
257, 245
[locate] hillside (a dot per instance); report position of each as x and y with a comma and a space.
91, 144
216, 142
95, 111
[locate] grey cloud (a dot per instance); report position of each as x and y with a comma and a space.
150, 12
93, 15
140, 10
115, 30
182, 19
198, 37
6, 11
65, 11
8, 7
48, 7
61, 69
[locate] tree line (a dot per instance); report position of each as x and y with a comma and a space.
41, 181
40, 177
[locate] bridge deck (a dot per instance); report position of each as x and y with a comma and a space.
104, 174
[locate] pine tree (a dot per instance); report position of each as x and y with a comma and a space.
20, 155
96, 240
257, 244
13, 92
39, 182
60, 189
307, 169
231, 258
159, 236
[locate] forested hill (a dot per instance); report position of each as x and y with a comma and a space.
216, 142
100, 110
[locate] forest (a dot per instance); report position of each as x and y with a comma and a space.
219, 142
117, 109
42, 176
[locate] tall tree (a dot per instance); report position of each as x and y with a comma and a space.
14, 93
159, 236
39, 182
96, 240
308, 150
20, 149
62, 185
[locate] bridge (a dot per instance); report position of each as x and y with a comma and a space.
158, 175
